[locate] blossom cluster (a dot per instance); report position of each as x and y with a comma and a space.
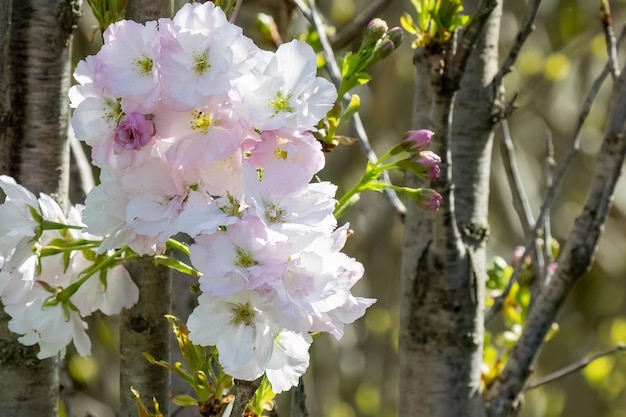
31, 270
198, 131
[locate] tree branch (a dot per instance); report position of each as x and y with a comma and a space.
453, 71
312, 15
574, 260
573, 367
243, 391
556, 181
298, 401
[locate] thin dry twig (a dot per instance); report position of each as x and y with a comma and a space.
520, 201
574, 367
313, 16
527, 27
549, 178
352, 30
609, 36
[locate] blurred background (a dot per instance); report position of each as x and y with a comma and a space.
357, 376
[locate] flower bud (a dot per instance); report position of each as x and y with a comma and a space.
417, 140
383, 50
374, 31
428, 199
395, 35
428, 159
433, 172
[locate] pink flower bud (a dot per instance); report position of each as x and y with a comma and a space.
433, 172
428, 159
417, 140
429, 199
133, 132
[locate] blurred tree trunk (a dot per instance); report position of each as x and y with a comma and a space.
144, 327
443, 264
34, 113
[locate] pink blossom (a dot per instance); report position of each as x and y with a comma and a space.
417, 140
281, 151
133, 132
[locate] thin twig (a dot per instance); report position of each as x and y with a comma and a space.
549, 178
352, 30
609, 36
313, 16
520, 201
527, 27
81, 163
574, 367
234, 12
551, 191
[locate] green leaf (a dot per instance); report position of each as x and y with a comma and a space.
176, 265
141, 409
184, 400
407, 23
191, 353
349, 64
172, 367
202, 386
175, 244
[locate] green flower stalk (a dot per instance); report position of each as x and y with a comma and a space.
421, 162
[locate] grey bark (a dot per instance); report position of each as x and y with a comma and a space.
144, 327
34, 112
443, 261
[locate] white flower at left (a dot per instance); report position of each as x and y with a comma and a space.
18, 228
33, 282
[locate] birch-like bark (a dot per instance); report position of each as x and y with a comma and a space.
443, 254
34, 114
144, 327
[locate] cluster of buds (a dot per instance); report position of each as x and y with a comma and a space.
380, 40
420, 161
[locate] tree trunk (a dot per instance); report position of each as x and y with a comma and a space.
443, 262
34, 112
144, 327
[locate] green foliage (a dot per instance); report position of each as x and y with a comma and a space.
141, 408
203, 373
499, 344
436, 21
378, 42
108, 11
263, 399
